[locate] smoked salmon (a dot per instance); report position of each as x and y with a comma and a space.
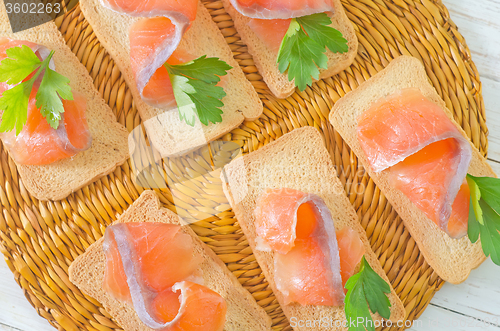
283, 9
270, 19
459, 218
426, 156
152, 266
38, 143
351, 251
202, 308
153, 40
158, 91
299, 228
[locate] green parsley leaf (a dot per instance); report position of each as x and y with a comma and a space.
489, 190
205, 69
490, 237
366, 289
208, 101
475, 195
295, 48
53, 87
485, 194
473, 224
19, 65
14, 103
182, 90
196, 91
318, 29
304, 46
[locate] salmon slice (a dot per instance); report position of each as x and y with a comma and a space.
401, 125
153, 40
158, 91
283, 9
200, 309
299, 228
159, 250
426, 177
302, 275
38, 143
351, 250
276, 219
159, 247
151, 266
459, 218
427, 157
166, 306
270, 32
182, 10
115, 279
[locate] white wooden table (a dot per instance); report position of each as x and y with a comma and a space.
473, 305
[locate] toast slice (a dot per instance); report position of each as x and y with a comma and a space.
109, 138
87, 273
168, 133
452, 259
298, 160
265, 58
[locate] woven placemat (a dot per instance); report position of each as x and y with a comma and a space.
40, 239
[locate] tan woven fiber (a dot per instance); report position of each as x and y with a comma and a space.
40, 239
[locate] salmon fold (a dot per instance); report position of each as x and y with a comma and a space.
153, 267
299, 229
153, 40
425, 154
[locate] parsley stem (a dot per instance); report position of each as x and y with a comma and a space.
44, 65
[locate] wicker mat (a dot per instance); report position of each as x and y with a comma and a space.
40, 239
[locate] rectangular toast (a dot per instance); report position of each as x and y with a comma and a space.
265, 58
452, 259
168, 133
300, 161
109, 149
87, 273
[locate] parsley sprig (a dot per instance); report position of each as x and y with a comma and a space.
484, 214
304, 46
366, 291
196, 91
20, 63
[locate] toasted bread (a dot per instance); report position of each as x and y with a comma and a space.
265, 58
109, 138
168, 133
300, 161
452, 259
87, 273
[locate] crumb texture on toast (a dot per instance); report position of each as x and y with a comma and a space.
300, 161
109, 138
452, 259
265, 58
87, 273
169, 134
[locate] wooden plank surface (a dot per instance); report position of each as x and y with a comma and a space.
15, 311
473, 305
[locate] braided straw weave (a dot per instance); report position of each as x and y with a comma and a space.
40, 239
